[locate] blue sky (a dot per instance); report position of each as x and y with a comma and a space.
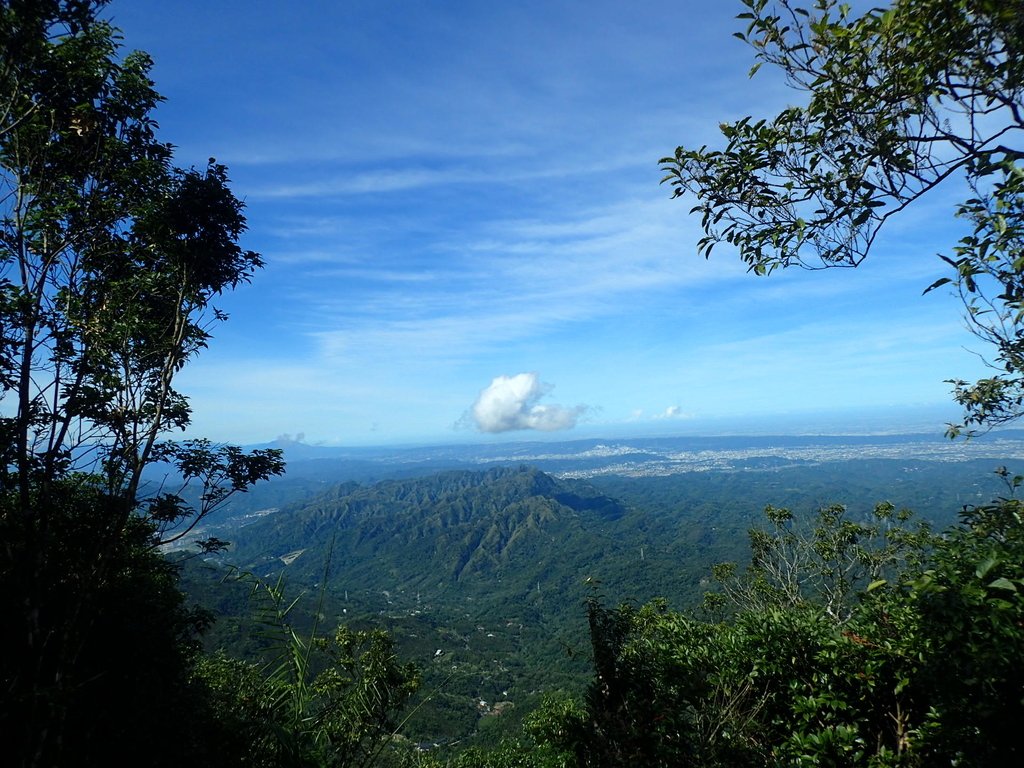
459, 207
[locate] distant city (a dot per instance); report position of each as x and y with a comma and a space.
659, 456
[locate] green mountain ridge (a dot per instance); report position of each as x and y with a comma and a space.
498, 532
480, 577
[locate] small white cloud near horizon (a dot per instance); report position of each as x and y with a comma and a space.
674, 412
510, 403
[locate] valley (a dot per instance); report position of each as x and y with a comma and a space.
481, 574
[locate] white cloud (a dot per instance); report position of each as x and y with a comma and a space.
510, 403
672, 412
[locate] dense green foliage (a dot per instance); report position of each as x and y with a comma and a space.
110, 258
470, 527
920, 669
116, 641
478, 576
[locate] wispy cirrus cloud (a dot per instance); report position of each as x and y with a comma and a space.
514, 281
398, 175
484, 196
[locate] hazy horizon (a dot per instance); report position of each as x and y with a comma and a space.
921, 420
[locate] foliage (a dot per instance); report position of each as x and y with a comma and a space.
899, 100
851, 665
827, 564
921, 671
510, 643
118, 641
972, 612
110, 257
322, 700
211, 475
509, 754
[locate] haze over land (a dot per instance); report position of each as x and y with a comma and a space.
829, 461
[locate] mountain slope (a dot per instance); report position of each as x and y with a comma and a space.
498, 535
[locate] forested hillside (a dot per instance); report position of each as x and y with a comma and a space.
480, 577
493, 568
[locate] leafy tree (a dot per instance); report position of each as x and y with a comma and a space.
110, 258
918, 666
900, 100
922, 670
508, 754
827, 564
783, 677
971, 602
117, 642
109, 262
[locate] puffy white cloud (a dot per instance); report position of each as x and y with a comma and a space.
511, 403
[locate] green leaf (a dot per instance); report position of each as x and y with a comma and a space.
1003, 583
985, 566
937, 284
